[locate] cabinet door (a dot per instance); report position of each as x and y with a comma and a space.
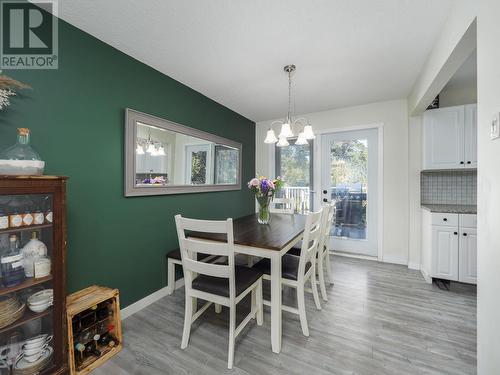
468, 255
470, 138
444, 138
445, 252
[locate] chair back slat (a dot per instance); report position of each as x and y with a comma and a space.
216, 270
287, 206
310, 241
190, 247
326, 224
200, 246
205, 226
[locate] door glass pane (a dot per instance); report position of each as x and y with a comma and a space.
294, 165
198, 167
349, 176
226, 165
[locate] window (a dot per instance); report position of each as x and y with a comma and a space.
295, 165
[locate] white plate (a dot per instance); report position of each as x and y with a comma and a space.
22, 364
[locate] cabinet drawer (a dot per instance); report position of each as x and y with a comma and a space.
445, 219
468, 220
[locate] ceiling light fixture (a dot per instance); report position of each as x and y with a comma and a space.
300, 125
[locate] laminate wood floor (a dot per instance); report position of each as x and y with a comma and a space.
380, 319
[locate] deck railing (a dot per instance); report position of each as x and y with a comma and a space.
300, 195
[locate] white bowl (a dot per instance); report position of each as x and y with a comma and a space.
38, 303
41, 297
40, 308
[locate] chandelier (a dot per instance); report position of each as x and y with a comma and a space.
153, 148
289, 128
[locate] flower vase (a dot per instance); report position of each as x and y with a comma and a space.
264, 214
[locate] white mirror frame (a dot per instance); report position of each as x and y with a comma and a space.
132, 117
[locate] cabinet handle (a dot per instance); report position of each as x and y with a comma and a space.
325, 191
445, 219
461, 162
468, 162
325, 200
455, 233
465, 234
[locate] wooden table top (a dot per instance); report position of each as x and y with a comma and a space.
276, 235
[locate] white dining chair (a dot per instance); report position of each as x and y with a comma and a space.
323, 258
220, 284
173, 259
296, 271
282, 206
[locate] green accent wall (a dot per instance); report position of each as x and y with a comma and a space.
76, 115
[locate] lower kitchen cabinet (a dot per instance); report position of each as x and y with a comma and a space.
467, 271
445, 256
449, 247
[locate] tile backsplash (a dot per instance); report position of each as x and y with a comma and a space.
449, 187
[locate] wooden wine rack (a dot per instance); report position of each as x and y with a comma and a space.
84, 300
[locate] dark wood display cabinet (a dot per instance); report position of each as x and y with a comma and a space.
33, 332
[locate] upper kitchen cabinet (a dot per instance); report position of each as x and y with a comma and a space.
450, 137
470, 138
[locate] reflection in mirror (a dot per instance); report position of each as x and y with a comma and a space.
164, 157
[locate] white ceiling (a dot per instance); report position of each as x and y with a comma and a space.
347, 52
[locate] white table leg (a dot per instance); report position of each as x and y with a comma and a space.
276, 302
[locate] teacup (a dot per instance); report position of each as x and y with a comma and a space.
37, 342
34, 351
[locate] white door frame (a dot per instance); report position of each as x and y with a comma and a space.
317, 175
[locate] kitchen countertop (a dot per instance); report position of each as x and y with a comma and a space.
451, 208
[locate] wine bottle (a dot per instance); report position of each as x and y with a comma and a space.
92, 350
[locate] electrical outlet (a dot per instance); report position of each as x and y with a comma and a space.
495, 126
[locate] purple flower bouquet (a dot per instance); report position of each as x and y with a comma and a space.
264, 190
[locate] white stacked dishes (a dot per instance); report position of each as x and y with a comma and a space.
34, 363
41, 301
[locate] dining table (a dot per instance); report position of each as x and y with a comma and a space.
271, 241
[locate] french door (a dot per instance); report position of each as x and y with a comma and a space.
349, 168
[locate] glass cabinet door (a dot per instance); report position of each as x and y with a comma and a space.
27, 298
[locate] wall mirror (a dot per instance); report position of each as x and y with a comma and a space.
162, 157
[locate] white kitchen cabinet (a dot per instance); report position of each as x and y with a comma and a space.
470, 138
467, 272
450, 137
445, 252
449, 246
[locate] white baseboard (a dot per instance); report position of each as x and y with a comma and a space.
355, 256
414, 266
427, 277
148, 300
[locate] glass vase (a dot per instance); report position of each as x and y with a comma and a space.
264, 215
21, 158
